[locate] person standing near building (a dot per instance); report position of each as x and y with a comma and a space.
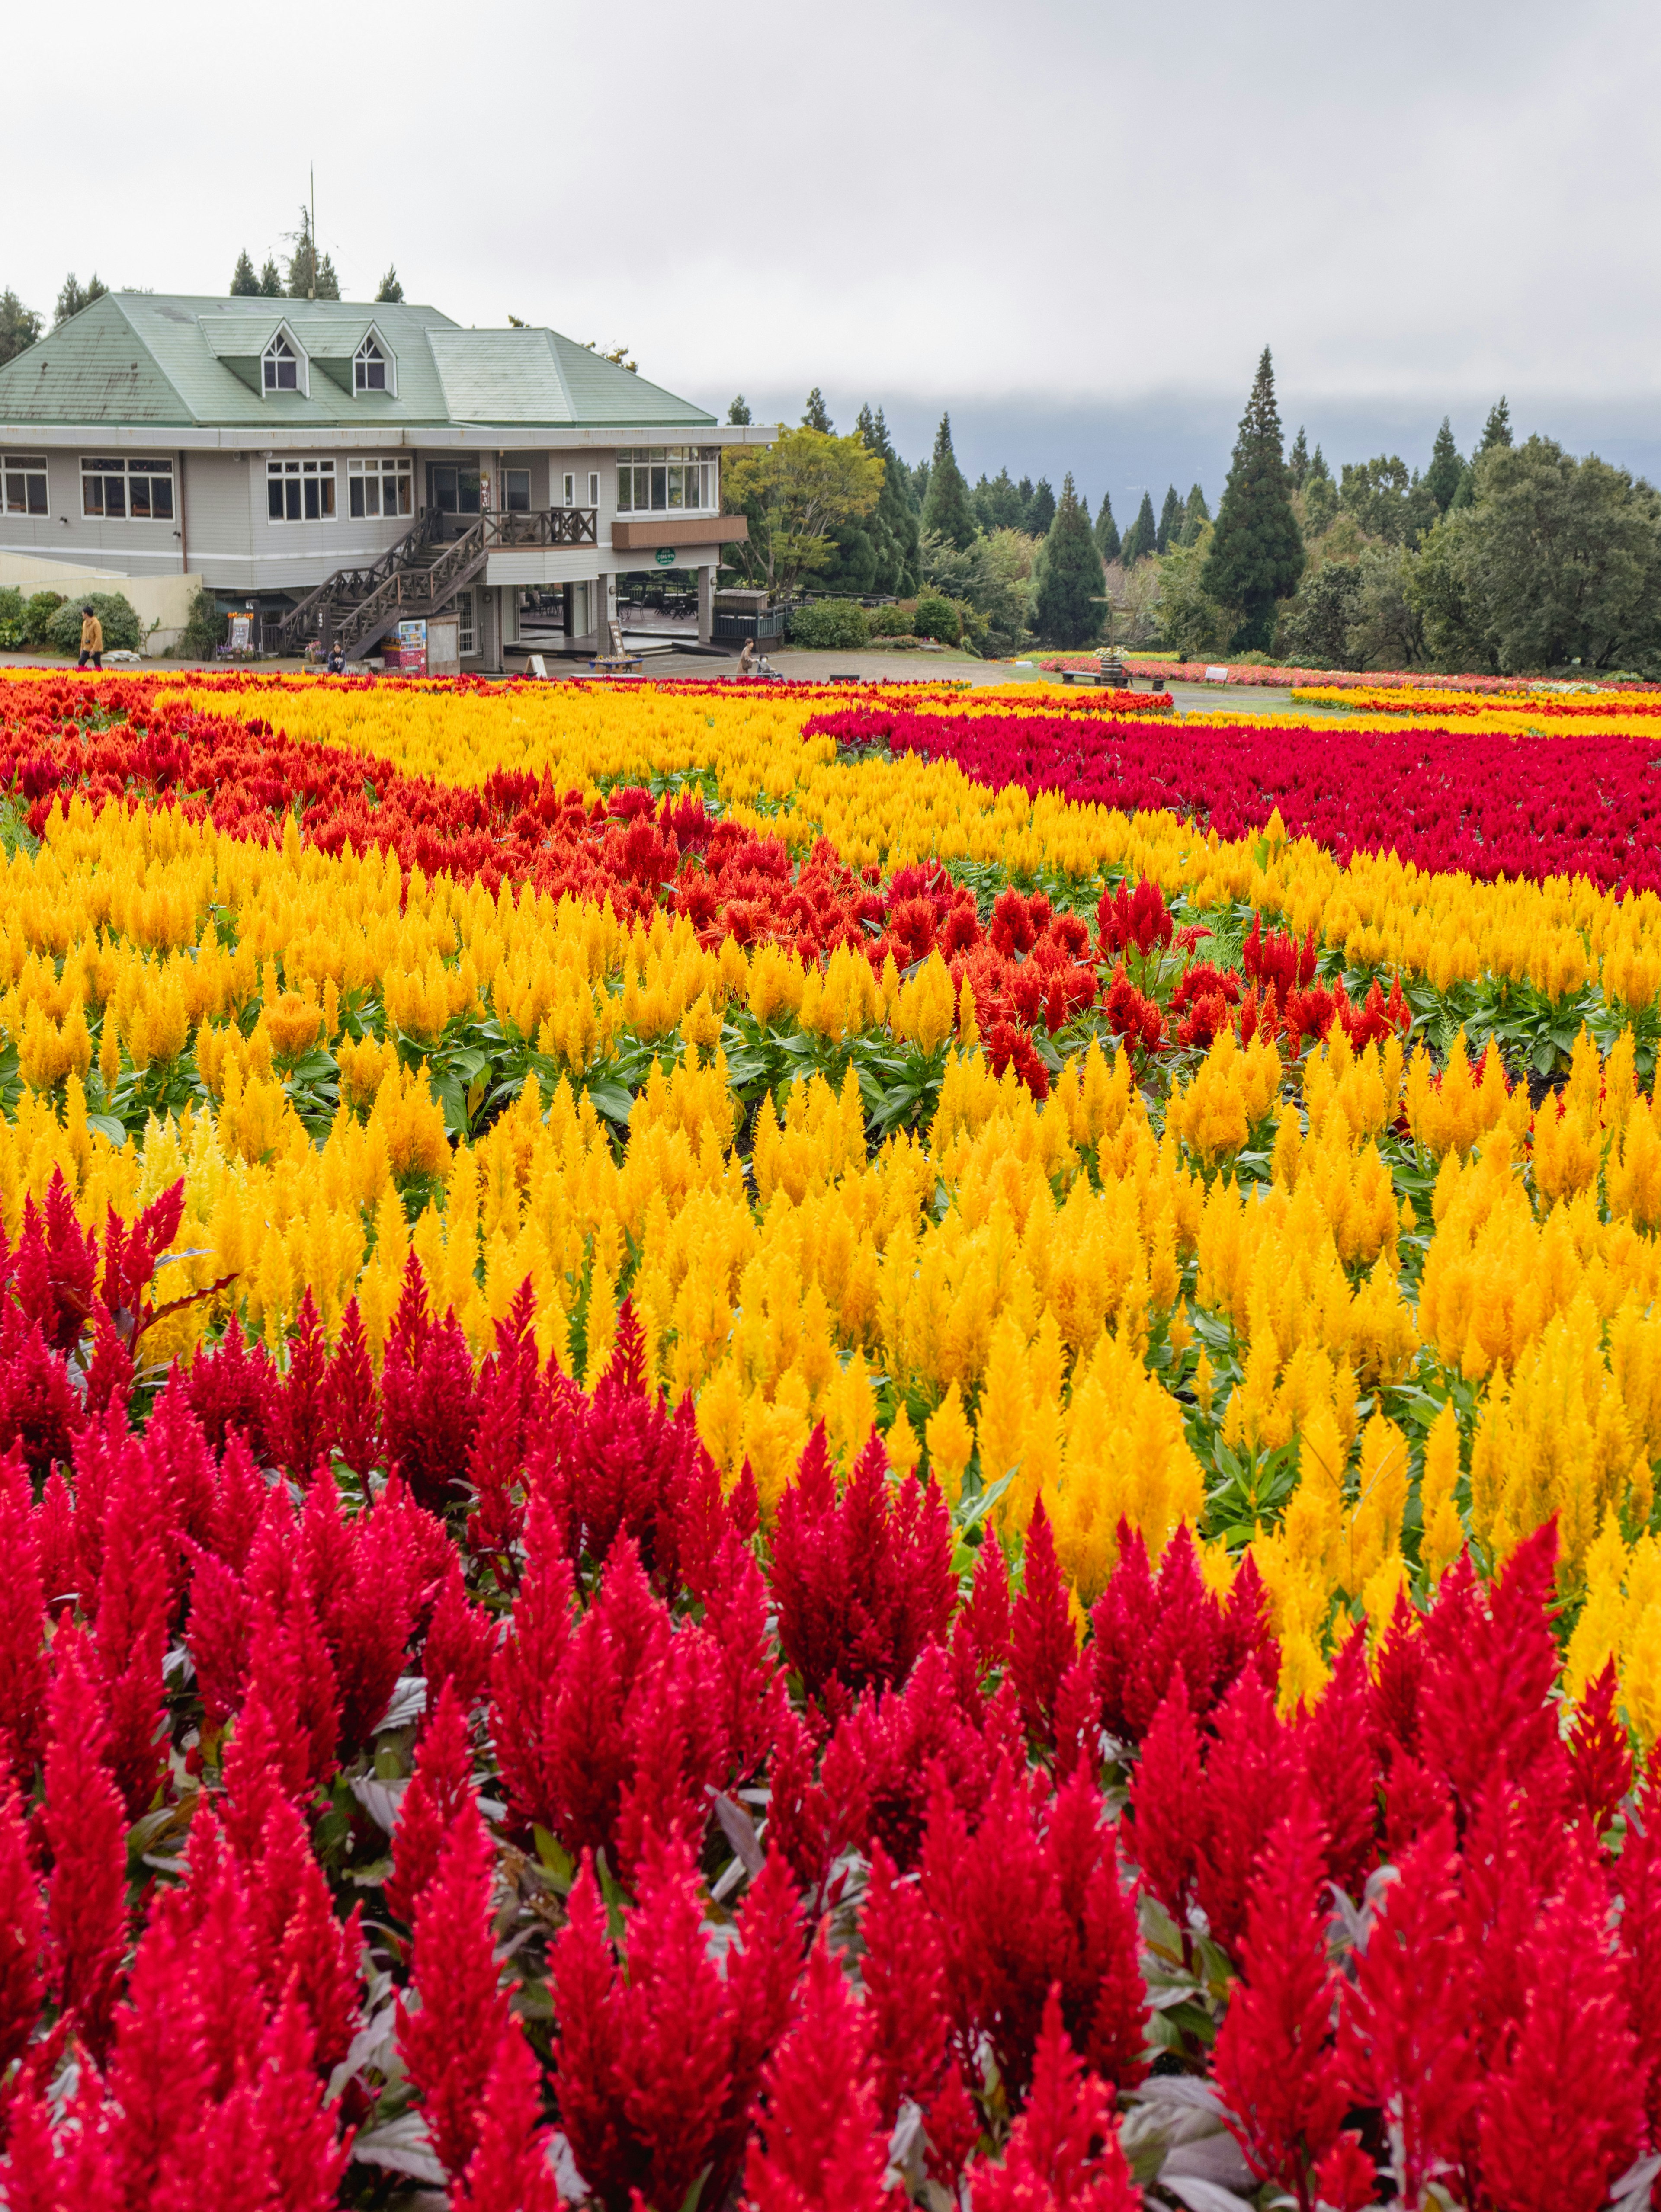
92, 641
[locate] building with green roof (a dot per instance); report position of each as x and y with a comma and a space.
336, 468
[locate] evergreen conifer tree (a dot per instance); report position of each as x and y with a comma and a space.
1040, 510
74, 297
392, 291
1024, 493
947, 512
1107, 531
816, 415
1195, 514
1298, 459
1139, 538
1068, 576
1496, 431
244, 279
1442, 476
892, 524
1170, 531
310, 275
270, 280
739, 409
1257, 552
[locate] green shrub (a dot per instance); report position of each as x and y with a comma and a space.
893, 622
937, 618
835, 625
37, 611
121, 631
11, 619
205, 629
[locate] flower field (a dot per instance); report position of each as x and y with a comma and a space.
808, 1448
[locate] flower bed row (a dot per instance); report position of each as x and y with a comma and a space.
1479, 804
438, 1775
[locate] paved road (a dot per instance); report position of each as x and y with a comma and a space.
1257, 704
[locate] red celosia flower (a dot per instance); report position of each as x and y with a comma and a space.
620, 1463
1043, 1645
1639, 1875
132, 1632
87, 1831
429, 1404
461, 1642
299, 1423
510, 2171
1406, 2030
1340, 1764
1167, 1812
22, 1928
301, 1951
862, 1582
904, 1990
1064, 2153
1143, 1629
820, 2148
449, 2043
1276, 2069
1600, 1752
23, 1672
1248, 1773
353, 1396
307, 2158
1562, 2113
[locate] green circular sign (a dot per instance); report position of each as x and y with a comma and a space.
665, 556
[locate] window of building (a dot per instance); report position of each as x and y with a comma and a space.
516, 491
381, 487
668, 479
466, 636
300, 491
568, 492
23, 484
455, 490
112, 487
281, 366
368, 368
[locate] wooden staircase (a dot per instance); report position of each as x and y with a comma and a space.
420, 575
355, 608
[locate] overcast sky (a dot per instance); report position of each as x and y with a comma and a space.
1074, 225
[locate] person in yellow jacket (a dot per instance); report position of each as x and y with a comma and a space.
92, 639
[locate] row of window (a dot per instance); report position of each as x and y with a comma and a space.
280, 368
664, 479
304, 491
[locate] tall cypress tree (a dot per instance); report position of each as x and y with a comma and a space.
947, 510
1442, 476
1298, 459
816, 415
1170, 531
1496, 431
1107, 531
1257, 553
1068, 576
1139, 538
739, 409
892, 523
1040, 510
245, 281
1196, 513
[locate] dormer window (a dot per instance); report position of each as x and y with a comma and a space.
368, 368
282, 368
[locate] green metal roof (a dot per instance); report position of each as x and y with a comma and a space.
148, 357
